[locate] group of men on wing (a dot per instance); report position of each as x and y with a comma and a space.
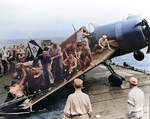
77, 56
53, 64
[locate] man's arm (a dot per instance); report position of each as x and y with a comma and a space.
99, 43
130, 103
129, 110
55, 56
75, 63
65, 53
23, 79
67, 108
89, 107
108, 44
59, 53
39, 73
85, 34
89, 113
64, 62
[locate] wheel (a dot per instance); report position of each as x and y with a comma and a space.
138, 55
115, 80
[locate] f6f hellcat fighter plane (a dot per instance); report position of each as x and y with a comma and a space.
123, 37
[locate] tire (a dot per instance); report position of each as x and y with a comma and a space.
115, 80
138, 55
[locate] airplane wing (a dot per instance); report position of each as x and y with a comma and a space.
34, 48
37, 100
97, 59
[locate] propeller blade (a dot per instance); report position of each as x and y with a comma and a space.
148, 50
146, 31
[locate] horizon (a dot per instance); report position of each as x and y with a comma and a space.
9, 42
37, 18
46, 38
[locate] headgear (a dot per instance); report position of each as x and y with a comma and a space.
133, 81
78, 82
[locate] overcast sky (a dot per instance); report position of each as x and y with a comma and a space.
53, 18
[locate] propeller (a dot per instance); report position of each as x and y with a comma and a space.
146, 31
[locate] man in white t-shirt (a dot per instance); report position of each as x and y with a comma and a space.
55, 53
135, 100
78, 105
82, 36
5, 55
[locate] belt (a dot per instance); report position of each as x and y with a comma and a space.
78, 115
136, 111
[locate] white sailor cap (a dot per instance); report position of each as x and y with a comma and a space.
104, 36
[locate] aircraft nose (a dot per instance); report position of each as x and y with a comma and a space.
146, 31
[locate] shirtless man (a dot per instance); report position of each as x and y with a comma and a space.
70, 63
86, 56
15, 90
34, 79
21, 65
78, 56
70, 48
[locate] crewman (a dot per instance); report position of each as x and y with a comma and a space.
102, 43
70, 63
86, 56
15, 91
5, 55
46, 64
82, 35
55, 53
135, 100
34, 79
78, 105
69, 48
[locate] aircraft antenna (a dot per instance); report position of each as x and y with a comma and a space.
30, 38
74, 28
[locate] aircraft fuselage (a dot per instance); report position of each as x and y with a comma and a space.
128, 33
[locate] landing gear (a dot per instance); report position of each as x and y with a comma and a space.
114, 79
138, 55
